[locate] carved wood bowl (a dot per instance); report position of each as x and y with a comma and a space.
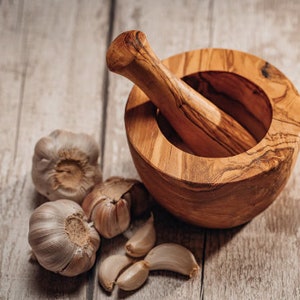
219, 192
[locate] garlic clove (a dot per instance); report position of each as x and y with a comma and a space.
143, 240
122, 215
61, 238
172, 257
110, 268
64, 165
111, 217
134, 276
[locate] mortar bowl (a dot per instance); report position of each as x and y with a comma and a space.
219, 192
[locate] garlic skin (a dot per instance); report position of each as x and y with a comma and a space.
172, 257
61, 238
110, 268
134, 276
143, 240
111, 217
113, 188
139, 199
65, 165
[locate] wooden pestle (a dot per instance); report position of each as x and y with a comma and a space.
204, 128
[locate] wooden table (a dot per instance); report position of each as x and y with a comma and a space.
53, 75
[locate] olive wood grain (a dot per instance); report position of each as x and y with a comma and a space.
219, 192
205, 128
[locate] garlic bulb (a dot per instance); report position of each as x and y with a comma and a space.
143, 240
65, 165
110, 268
107, 208
61, 238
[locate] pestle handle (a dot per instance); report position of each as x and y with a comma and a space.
204, 128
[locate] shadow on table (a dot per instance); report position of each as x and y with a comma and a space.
170, 229
51, 285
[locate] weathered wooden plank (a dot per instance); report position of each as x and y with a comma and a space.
11, 74
170, 29
261, 259
52, 69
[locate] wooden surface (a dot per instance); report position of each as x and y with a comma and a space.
53, 75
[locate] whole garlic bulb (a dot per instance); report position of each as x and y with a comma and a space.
65, 165
61, 238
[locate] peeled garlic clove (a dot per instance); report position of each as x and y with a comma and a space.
110, 268
143, 240
172, 257
65, 165
133, 277
111, 217
61, 238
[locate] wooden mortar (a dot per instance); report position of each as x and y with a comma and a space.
213, 190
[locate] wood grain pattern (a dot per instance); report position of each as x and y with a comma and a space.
53, 74
47, 84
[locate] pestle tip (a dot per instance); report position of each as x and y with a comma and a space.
124, 49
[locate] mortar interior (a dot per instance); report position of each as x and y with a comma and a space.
239, 97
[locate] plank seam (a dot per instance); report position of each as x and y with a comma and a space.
24, 60
106, 83
211, 23
104, 98
202, 266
